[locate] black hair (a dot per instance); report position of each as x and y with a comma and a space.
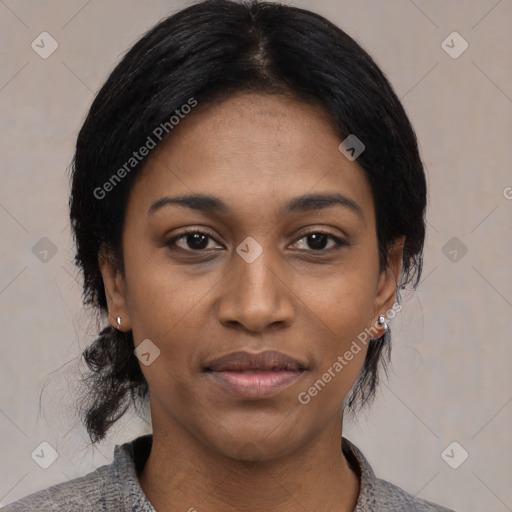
207, 52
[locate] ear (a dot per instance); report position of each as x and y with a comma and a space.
115, 291
388, 280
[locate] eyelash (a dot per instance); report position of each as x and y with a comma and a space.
339, 242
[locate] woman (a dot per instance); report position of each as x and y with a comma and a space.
247, 200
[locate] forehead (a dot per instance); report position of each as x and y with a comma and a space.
251, 149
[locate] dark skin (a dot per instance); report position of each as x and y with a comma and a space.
306, 297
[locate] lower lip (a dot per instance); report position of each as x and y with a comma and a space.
255, 385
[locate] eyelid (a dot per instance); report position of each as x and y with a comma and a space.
190, 231
340, 242
322, 231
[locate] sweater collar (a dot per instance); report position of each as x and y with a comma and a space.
130, 457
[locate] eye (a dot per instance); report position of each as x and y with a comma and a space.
318, 241
197, 241
193, 240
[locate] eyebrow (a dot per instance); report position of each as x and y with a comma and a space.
210, 204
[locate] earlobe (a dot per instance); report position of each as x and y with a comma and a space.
389, 279
115, 292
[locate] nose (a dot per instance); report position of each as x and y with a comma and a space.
255, 295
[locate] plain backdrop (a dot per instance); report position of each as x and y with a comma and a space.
450, 380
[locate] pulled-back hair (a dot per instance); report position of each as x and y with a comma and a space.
206, 52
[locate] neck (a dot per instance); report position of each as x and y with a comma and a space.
182, 473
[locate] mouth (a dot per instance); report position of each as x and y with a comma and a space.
254, 376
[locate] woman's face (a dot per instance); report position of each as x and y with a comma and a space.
270, 268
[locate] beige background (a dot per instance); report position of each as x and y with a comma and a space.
451, 378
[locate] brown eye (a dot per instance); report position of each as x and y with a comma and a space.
193, 241
196, 240
318, 241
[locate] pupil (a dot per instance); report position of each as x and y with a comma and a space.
197, 241
317, 241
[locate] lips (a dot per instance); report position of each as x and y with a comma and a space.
268, 361
254, 376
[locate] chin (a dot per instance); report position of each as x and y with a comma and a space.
262, 441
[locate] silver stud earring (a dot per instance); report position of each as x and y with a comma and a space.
118, 319
382, 322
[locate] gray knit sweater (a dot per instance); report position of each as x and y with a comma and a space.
115, 487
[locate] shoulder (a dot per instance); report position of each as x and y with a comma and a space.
377, 494
86, 493
114, 486
393, 498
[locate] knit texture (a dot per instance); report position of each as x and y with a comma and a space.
115, 487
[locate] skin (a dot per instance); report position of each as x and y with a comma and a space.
213, 451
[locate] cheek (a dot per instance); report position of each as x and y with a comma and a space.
167, 305
161, 297
343, 300
340, 314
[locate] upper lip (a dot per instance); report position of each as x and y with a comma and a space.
269, 360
